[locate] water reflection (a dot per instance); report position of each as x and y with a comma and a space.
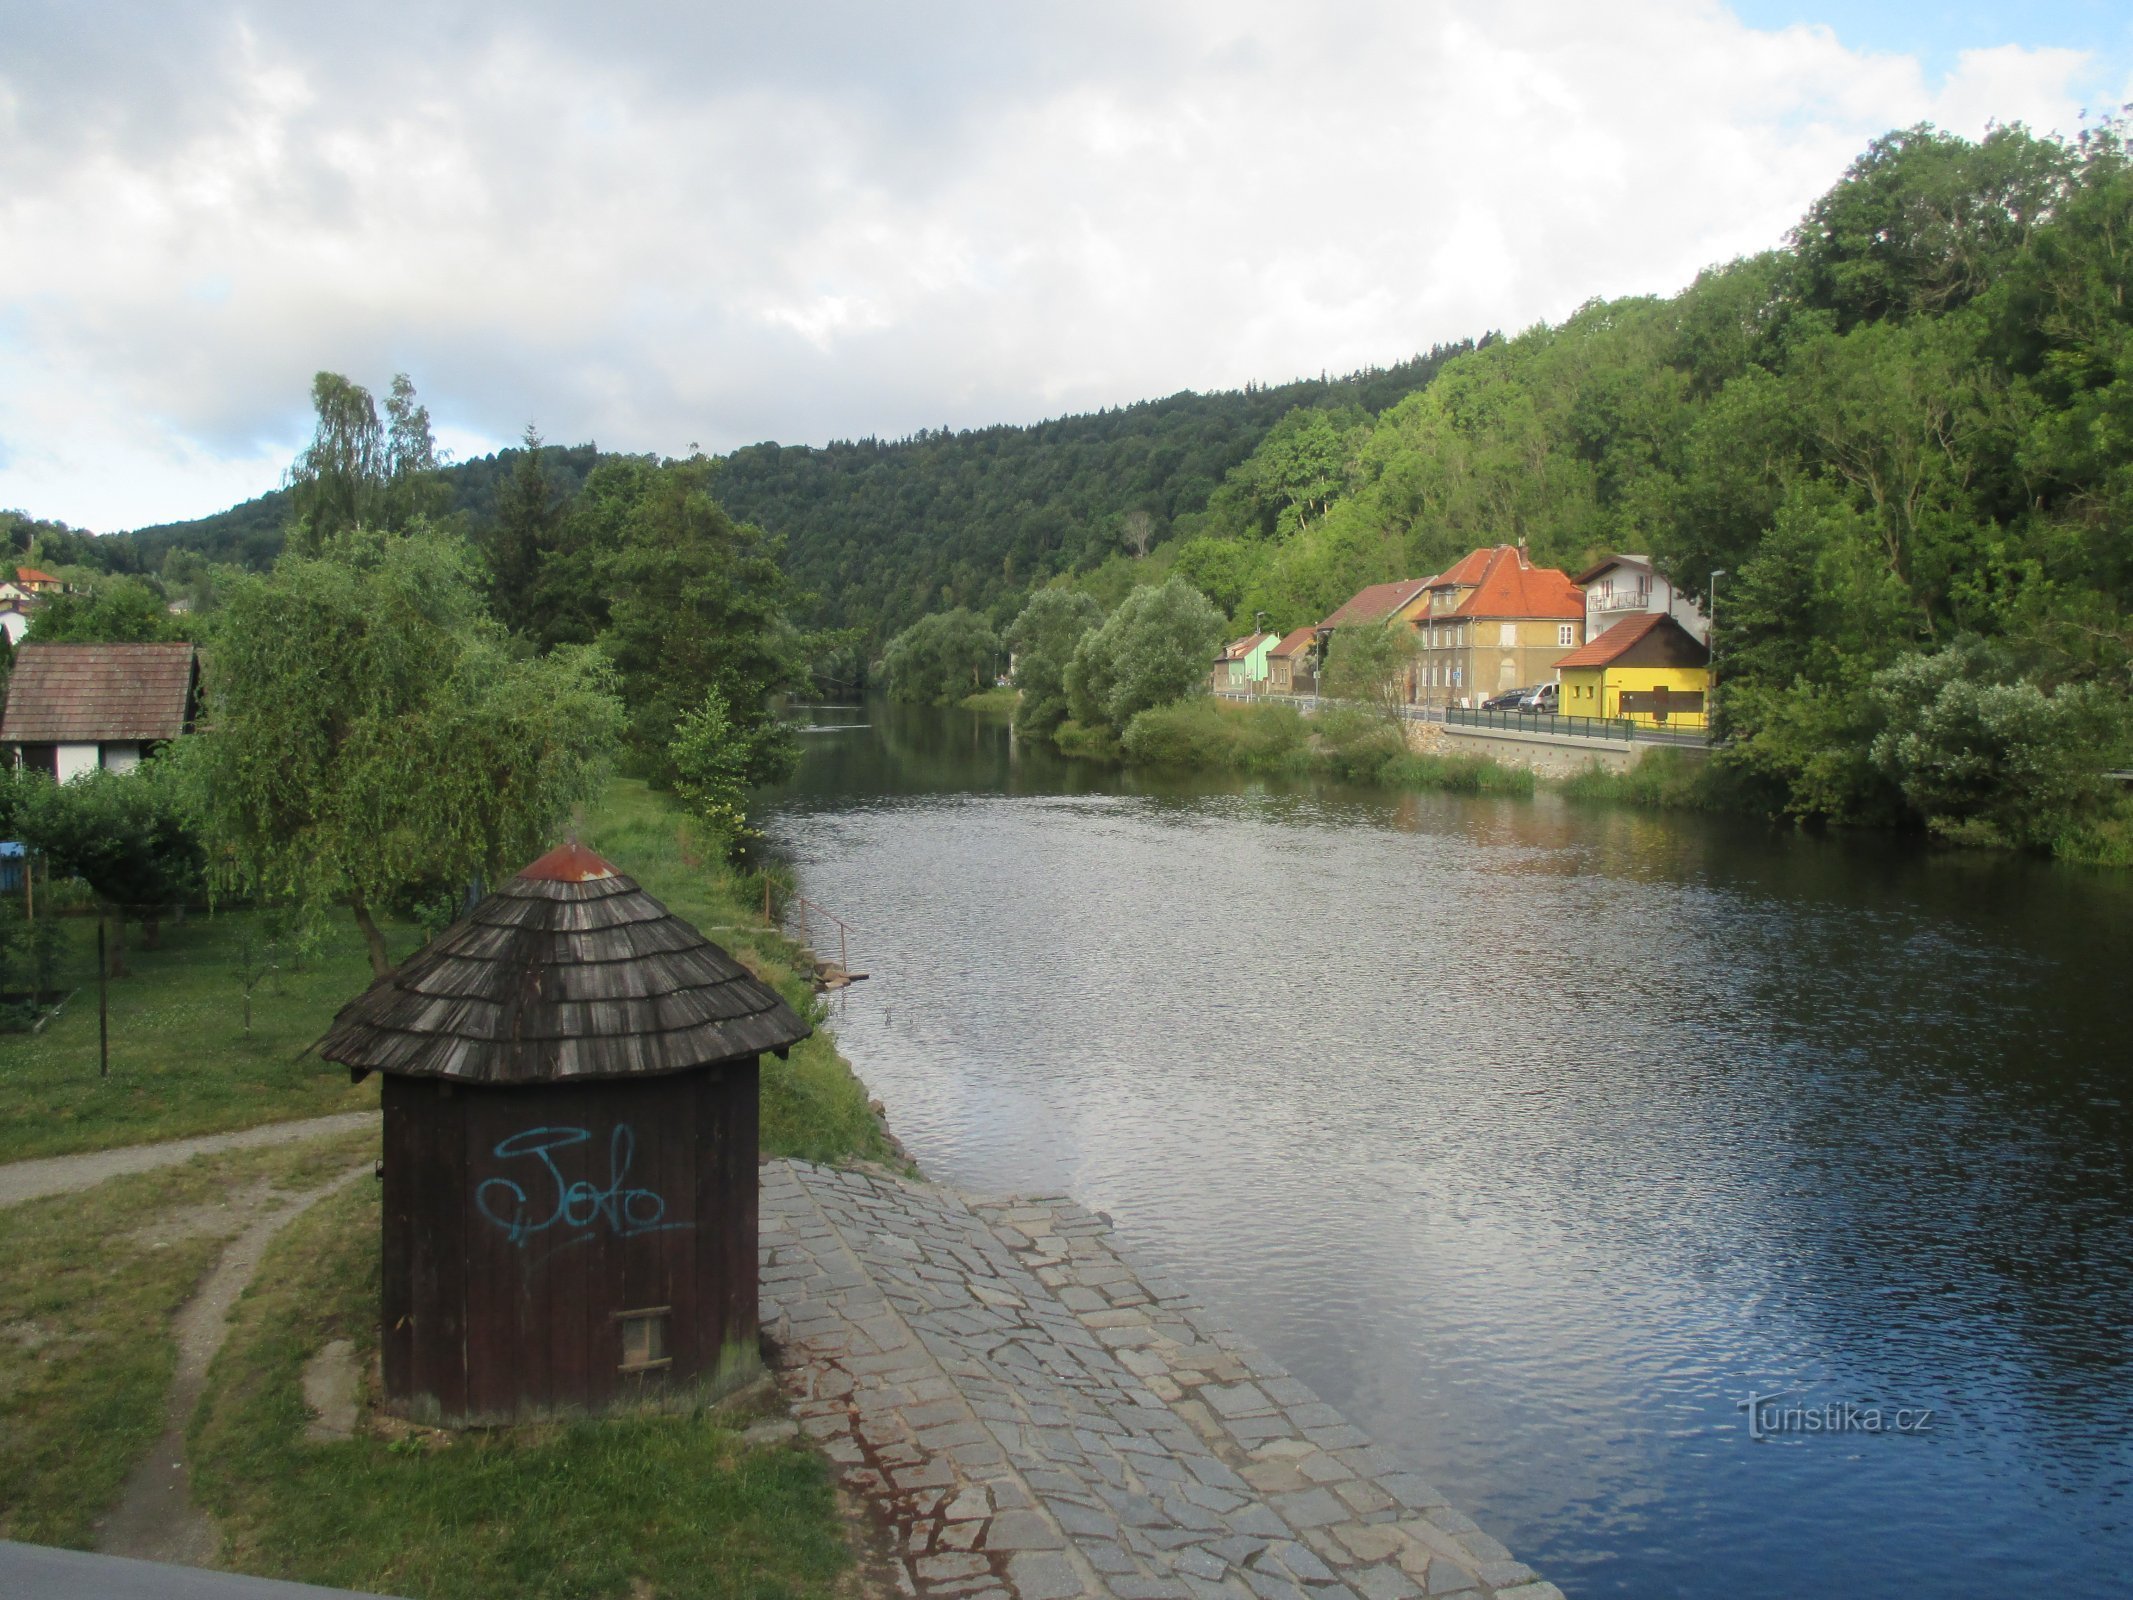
1539, 1136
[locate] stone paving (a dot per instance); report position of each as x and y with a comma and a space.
1034, 1417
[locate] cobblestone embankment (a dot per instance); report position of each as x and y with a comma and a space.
1033, 1417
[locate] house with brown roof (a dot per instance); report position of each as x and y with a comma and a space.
1392, 605
1492, 622
1647, 668
72, 708
1292, 665
31, 581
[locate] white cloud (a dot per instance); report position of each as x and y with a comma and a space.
725, 227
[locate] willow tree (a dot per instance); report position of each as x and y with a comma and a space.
359, 472
371, 739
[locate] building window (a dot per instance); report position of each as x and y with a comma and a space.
644, 1339
1566, 633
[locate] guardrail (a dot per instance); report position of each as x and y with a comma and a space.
1682, 728
1676, 730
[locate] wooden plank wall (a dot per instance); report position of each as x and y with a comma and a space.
521, 1222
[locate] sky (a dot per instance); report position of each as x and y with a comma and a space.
666, 226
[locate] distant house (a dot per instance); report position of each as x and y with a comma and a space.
1393, 605
31, 581
1625, 586
74, 707
1647, 668
1242, 665
1492, 622
1291, 665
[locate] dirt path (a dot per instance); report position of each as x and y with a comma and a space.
33, 1180
155, 1519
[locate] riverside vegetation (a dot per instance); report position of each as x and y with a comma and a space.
1905, 438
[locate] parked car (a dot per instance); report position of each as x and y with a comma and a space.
1542, 701
1507, 701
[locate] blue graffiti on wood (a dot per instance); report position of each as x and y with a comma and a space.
574, 1205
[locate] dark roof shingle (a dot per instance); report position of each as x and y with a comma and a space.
88, 693
569, 971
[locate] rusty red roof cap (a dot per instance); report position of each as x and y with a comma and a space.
568, 863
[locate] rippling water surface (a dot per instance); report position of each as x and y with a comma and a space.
1539, 1137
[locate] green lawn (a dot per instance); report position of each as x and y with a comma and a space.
88, 1286
181, 1062
640, 1505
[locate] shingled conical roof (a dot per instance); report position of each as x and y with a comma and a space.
570, 971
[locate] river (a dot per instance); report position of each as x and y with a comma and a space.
1539, 1137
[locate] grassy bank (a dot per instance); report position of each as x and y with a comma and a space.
813, 1105
181, 1060
626, 1506
992, 702
1350, 745
88, 1286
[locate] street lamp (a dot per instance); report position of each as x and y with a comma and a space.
1710, 629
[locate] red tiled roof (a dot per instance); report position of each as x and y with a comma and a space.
1509, 587
32, 575
1468, 569
1238, 649
87, 693
1376, 603
1613, 642
1295, 643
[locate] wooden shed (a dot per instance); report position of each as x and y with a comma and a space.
570, 1151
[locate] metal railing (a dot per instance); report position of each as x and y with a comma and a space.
1688, 728
1680, 728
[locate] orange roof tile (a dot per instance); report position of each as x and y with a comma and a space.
1296, 642
32, 575
1510, 587
87, 693
1615, 641
1376, 603
1468, 569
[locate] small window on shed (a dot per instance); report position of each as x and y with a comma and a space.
644, 1339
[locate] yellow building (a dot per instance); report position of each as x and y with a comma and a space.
1647, 669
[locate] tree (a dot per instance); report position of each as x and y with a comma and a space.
695, 601
112, 611
1043, 638
940, 659
1156, 648
1137, 529
369, 736
130, 836
711, 771
412, 485
1968, 744
339, 479
1370, 662
522, 534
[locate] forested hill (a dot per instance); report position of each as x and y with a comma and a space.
884, 531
